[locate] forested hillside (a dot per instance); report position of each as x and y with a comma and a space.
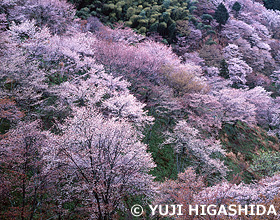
108, 104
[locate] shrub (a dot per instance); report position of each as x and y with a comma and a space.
266, 163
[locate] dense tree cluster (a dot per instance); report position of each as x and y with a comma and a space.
144, 16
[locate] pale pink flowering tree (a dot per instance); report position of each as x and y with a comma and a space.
235, 29
238, 70
187, 143
228, 105
235, 106
63, 56
271, 19
23, 180
212, 71
119, 34
263, 103
144, 59
259, 59
232, 51
107, 93
58, 15
206, 112
252, 40
21, 77
149, 62
105, 161
264, 191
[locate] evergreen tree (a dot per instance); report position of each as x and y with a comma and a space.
236, 7
221, 14
224, 72
272, 4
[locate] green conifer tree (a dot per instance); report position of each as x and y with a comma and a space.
272, 4
221, 14
236, 7
224, 72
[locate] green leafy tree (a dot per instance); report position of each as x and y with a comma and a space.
266, 163
206, 17
272, 4
144, 16
224, 72
221, 14
236, 7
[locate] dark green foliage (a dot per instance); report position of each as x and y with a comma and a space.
210, 41
272, 4
266, 163
171, 30
80, 3
207, 27
192, 8
56, 79
221, 14
163, 156
242, 143
84, 13
162, 28
154, 27
199, 25
4, 125
207, 17
144, 16
236, 7
210, 32
224, 72
166, 3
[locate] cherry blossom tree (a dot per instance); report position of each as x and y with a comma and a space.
187, 144
183, 190
232, 51
212, 71
58, 15
107, 93
263, 191
271, 18
21, 77
62, 57
263, 103
148, 61
235, 106
235, 29
238, 70
22, 177
105, 161
205, 112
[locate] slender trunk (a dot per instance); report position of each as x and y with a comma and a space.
23, 191
100, 216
